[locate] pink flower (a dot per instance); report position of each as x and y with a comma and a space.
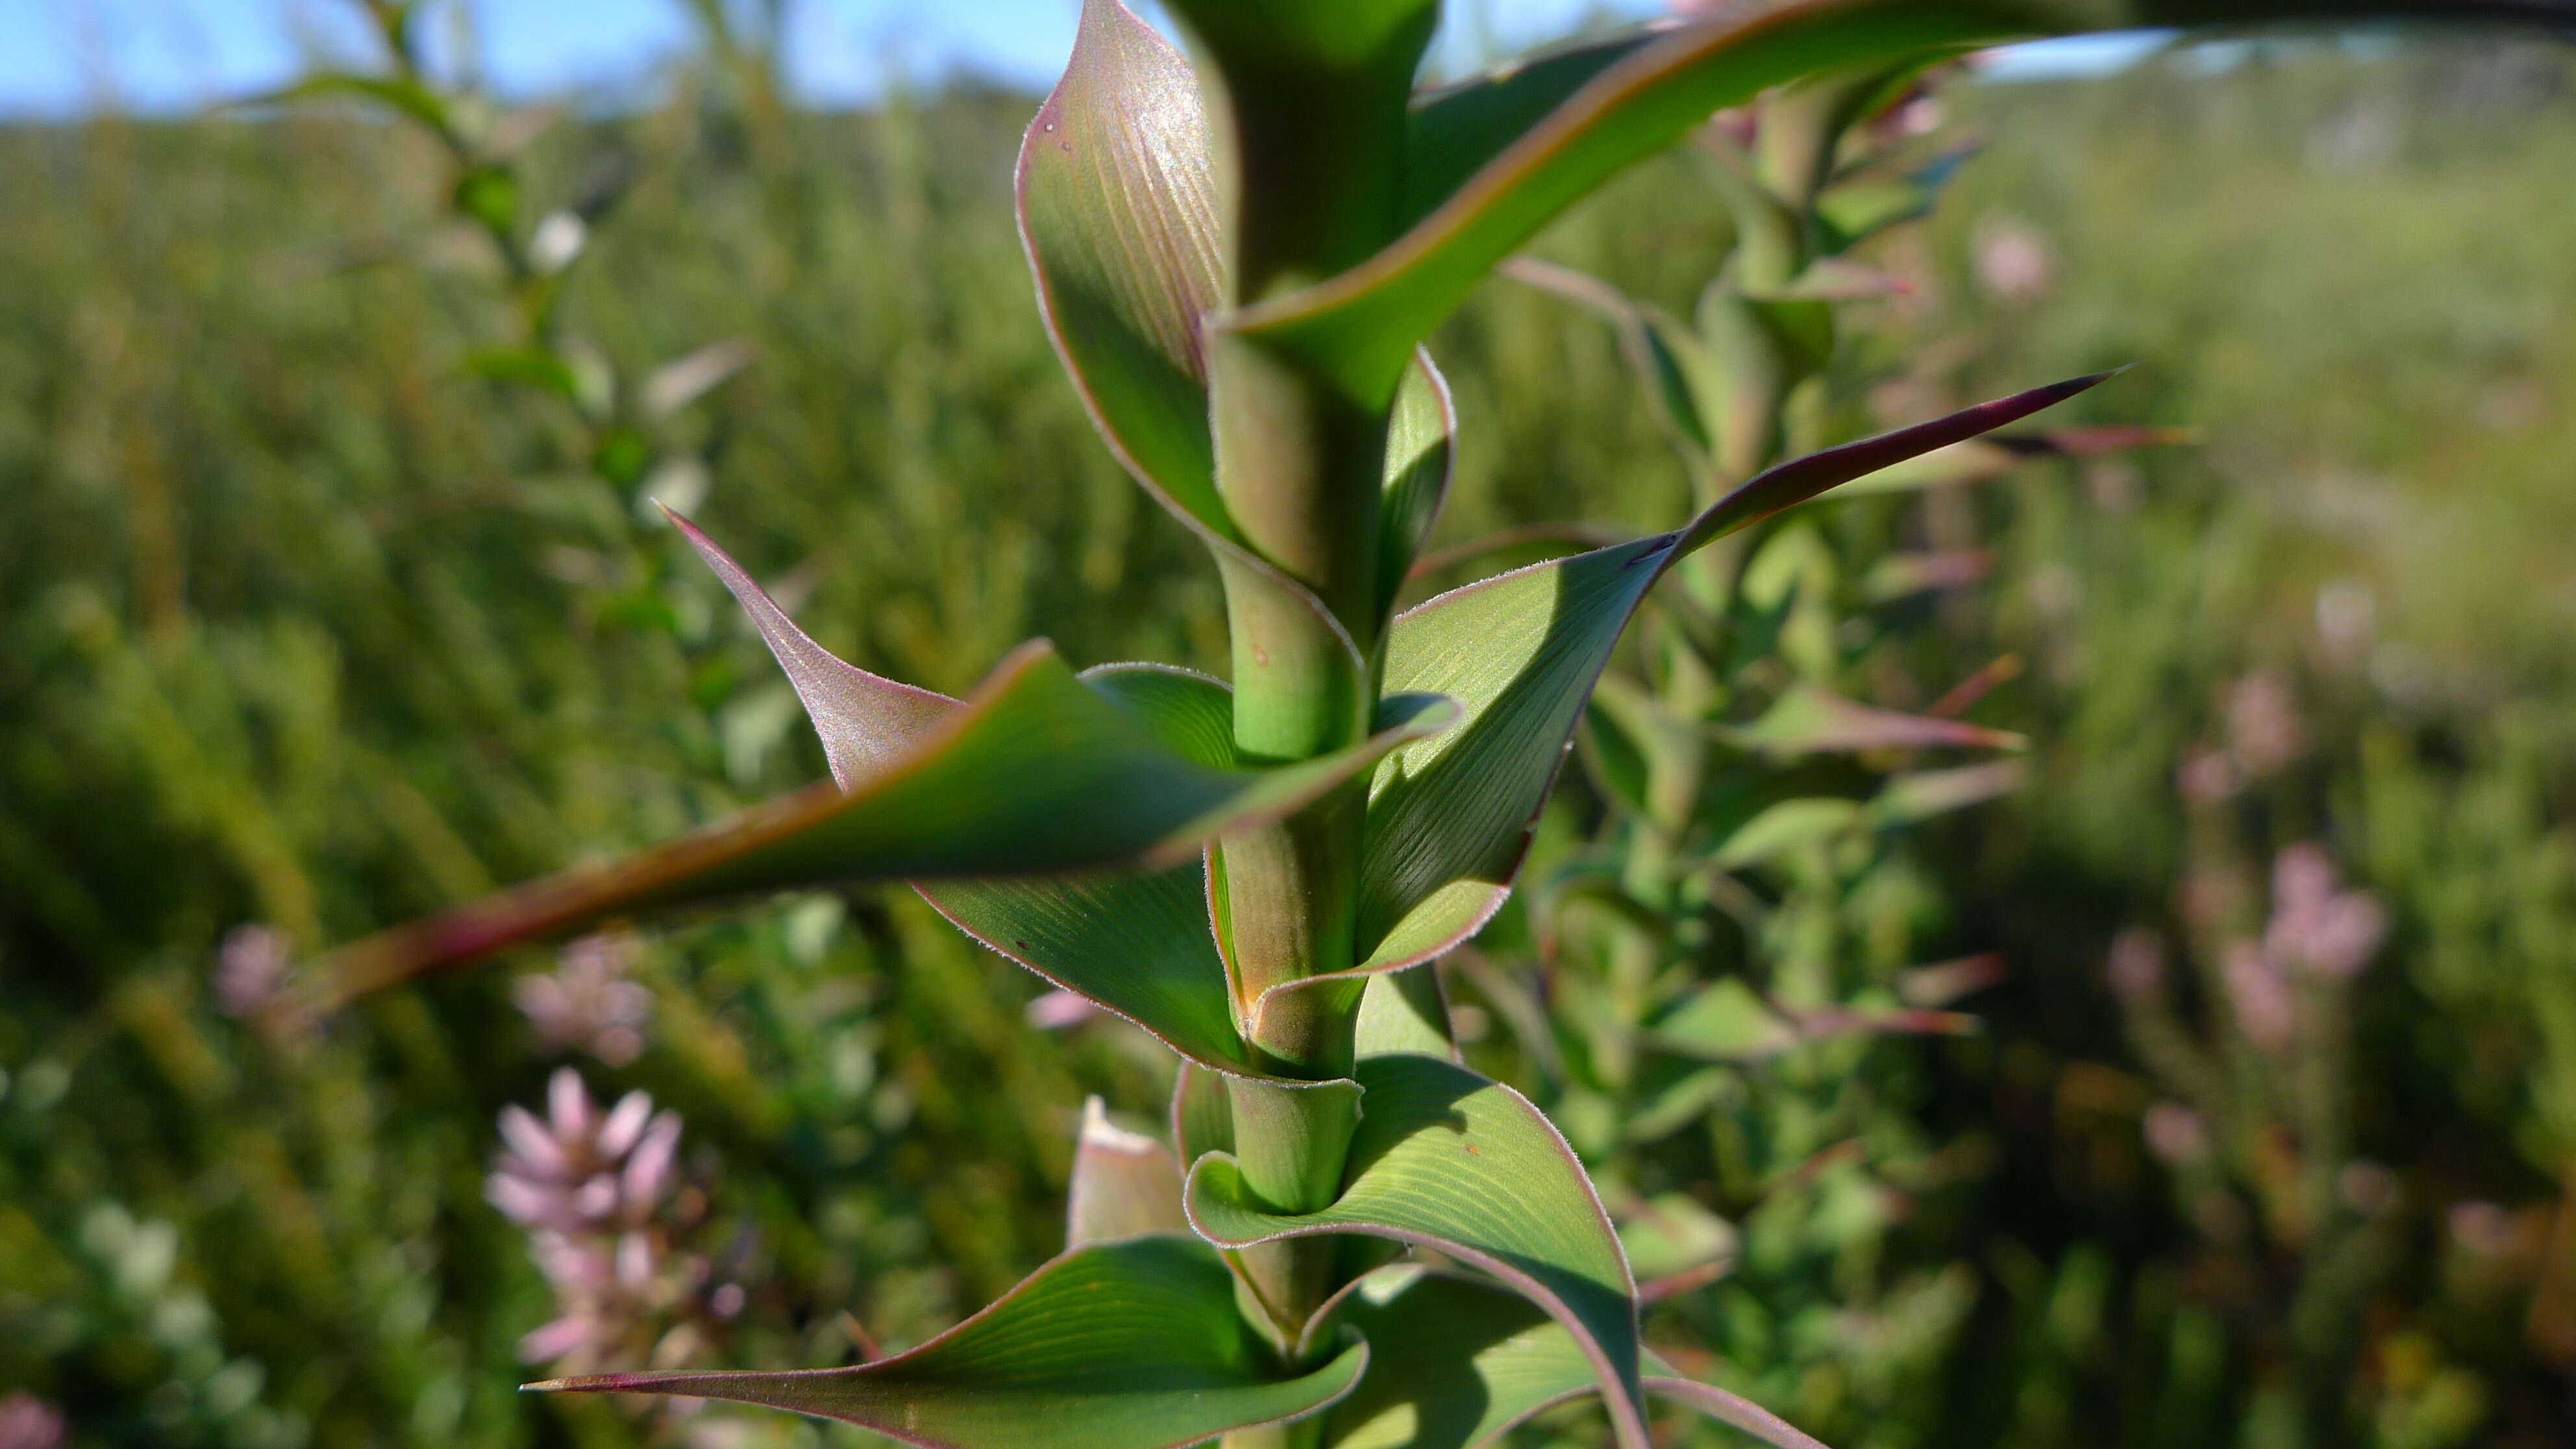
250, 971
28, 1422
1057, 1010
2208, 778
2263, 729
587, 1004
2264, 1007
2316, 927
609, 1226
2014, 262
577, 1171
2483, 1228
2368, 1188
2176, 1134
2137, 968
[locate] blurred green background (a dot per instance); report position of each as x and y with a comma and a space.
313, 617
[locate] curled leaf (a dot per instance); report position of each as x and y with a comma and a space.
1451, 1160
1125, 1184
1118, 214
1128, 1345
1454, 1362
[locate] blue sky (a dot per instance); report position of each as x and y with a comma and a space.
60, 57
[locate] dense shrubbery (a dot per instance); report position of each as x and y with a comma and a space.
304, 628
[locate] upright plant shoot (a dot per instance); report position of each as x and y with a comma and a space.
1238, 260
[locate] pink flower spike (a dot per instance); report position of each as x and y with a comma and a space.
2261, 1000
2304, 878
625, 1124
1058, 1009
250, 971
635, 1260
648, 1170
521, 1201
568, 1103
533, 1144
2137, 968
556, 1339
2176, 1134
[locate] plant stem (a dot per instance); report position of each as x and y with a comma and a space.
1301, 470
1308, 125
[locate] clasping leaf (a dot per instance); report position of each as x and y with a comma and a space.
1128, 1345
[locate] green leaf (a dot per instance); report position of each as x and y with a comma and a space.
1313, 97
1405, 1011
1453, 1362
1672, 1234
1421, 458
1130, 1345
1666, 355
1806, 720
1448, 1159
1726, 1021
1733, 1410
1327, 34
1795, 482
1923, 794
1202, 1114
865, 721
1125, 1184
1118, 211
1038, 773
1455, 130
489, 193
1531, 160
1135, 943
1357, 327
526, 367
1981, 458
409, 98
1447, 828
1786, 826
1855, 210
1449, 819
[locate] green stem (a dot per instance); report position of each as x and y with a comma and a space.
1301, 470
1307, 122
1301, 467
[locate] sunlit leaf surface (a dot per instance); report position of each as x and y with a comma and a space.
1130, 1345
1450, 1159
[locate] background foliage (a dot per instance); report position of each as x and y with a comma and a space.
304, 624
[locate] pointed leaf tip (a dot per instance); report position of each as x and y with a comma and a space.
1801, 479
1118, 215
865, 721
